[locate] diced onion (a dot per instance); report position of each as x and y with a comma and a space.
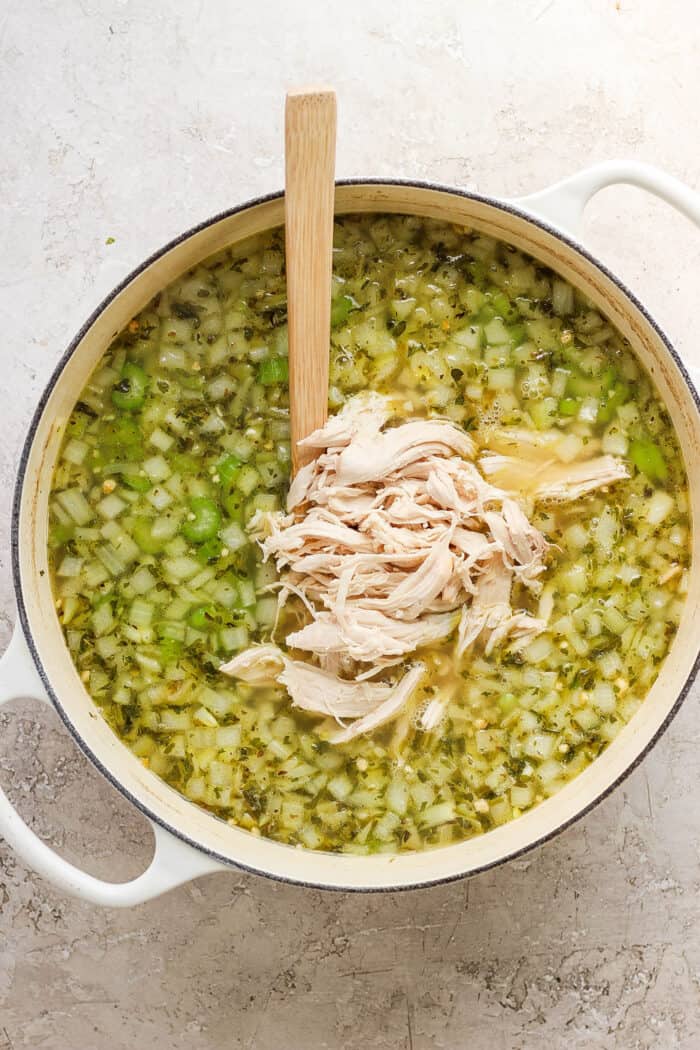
660, 506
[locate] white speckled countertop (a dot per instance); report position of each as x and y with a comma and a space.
135, 120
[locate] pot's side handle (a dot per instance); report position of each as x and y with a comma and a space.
563, 204
174, 862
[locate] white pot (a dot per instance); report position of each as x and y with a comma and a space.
189, 840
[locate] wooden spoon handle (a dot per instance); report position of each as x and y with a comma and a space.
310, 125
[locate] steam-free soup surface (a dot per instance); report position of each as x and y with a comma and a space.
182, 434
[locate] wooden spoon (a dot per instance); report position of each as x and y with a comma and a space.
310, 123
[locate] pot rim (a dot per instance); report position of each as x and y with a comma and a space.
494, 202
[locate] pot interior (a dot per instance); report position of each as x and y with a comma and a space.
151, 794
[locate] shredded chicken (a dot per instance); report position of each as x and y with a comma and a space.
539, 445
548, 466
393, 540
400, 695
434, 713
369, 636
310, 688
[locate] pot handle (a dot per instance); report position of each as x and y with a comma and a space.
563, 203
174, 862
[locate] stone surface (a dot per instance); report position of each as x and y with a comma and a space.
135, 120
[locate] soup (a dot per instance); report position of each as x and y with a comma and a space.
179, 445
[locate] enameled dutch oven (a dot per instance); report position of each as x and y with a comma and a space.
189, 841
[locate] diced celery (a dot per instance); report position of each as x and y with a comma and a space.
440, 813
246, 593
140, 613
75, 451
202, 617
233, 638
248, 480
161, 440
470, 337
660, 506
110, 559
70, 566
543, 412
103, 619
181, 568
228, 469
648, 458
273, 370
569, 406
562, 298
265, 501
496, 333
340, 309
266, 610
142, 531
75, 505
130, 392
271, 473
111, 506
507, 702
588, 410
203, 521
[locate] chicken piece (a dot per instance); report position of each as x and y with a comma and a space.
310, 688
526, 544
417, 591
317, 528
494, 585
364, 414
538, 446
374, 456
346, 503
521, 628
434, 713
553, 481
522, 545
389, 709
491, 614
371, 636
510, 473
320, 692
408, 504
301, 485
471, 623
392, 538
578, 479
442, 490
490, 606
474, 545
260, 665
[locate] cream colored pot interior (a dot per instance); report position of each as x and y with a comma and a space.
156, 798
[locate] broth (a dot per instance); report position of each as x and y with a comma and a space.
181, 436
